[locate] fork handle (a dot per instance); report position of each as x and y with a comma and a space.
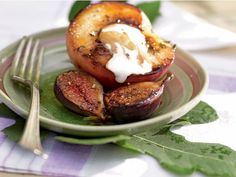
31, 134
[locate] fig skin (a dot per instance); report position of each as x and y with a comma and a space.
136, 101
87, 52
80, 93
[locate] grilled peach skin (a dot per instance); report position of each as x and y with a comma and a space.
87, 52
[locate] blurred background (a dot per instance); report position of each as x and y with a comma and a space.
221, 13
51, 14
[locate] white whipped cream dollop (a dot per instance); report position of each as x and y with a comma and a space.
128, 46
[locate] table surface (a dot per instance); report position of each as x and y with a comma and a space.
215, 12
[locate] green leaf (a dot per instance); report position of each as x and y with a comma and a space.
92, 141
14, 132
115, 1
182, 157
122, 1
178, 155
76, 7
151, 9
202, 113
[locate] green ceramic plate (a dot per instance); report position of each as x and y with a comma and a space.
180, 95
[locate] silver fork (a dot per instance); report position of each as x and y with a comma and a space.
26, 70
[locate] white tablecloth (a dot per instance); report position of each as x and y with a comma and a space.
209, 44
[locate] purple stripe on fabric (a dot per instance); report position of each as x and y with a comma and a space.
2, 137
66, 159
47, 144
222, 83
8, 155
4, 123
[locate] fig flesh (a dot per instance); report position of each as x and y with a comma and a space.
136, 101
80, 93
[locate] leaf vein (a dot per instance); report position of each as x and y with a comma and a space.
185, 152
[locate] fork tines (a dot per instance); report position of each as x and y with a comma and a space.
28, 60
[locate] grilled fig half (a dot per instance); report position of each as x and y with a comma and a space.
88, 41
80, 93
136, 101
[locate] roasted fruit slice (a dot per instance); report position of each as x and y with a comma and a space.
86, 42
81, 93
135, 102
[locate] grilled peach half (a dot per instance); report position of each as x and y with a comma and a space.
80, 93
87, 51
136, 101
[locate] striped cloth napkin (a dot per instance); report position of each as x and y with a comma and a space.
110, 160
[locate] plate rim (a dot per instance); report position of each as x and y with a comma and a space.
120, 127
